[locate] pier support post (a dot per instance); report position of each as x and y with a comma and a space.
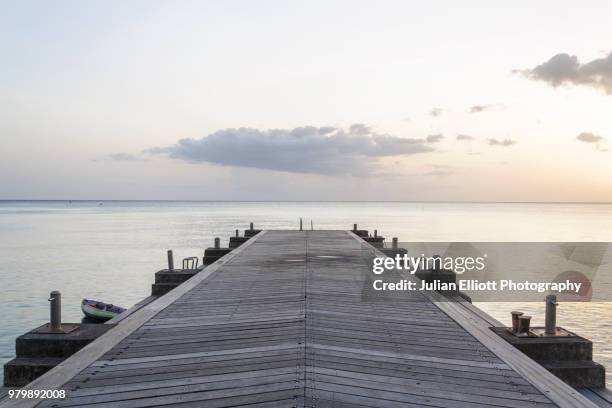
217, 242
170, 260
56, 310
551, 315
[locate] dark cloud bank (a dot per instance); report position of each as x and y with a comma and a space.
308, 149
567, 69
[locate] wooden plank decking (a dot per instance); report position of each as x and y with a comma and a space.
290, 320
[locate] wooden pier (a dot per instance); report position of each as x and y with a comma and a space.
290, 319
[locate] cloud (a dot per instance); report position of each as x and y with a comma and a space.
588, 137
308, 149
564, 69
504, 143
435, 112
480, 108
464, 137
599, 141
124, 157
437, 138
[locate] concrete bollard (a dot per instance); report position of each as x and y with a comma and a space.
170, 260
551, 315
515, 320
217, 242
394, 245
56, 310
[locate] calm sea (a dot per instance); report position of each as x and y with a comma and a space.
110, 250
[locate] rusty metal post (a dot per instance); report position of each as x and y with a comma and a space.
524, 322
515, 320
56, 310
170, 260
551, 315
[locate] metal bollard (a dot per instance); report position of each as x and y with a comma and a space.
354, 227
551, 315
217, 242
515, 320
56, 310
251, 226
394, 245
237, 233
375, 233
170, 260
524, 322
301, 228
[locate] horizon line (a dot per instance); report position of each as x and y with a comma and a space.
2, 200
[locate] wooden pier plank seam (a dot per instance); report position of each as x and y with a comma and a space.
290, 319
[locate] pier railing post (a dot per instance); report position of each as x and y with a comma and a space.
217, 242
551, 315
55, 310
170, 260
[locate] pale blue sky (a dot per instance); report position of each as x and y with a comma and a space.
95, 96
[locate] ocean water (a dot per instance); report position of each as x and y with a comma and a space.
110, 250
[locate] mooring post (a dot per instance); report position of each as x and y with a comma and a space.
251, 226
354, 227
237, 234
301, 228
515, 320
170, 260
375, 233
524, 322
394, 244
56, 310
551, 315
217, 242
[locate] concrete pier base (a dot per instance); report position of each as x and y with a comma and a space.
213, 254
568, 357
37, 353
166, 280
235, 242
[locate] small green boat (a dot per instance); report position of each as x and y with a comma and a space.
100, 311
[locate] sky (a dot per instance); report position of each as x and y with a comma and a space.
317, 100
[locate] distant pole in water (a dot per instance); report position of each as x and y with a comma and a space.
301, 229
217, 242
56, 310
170, 260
